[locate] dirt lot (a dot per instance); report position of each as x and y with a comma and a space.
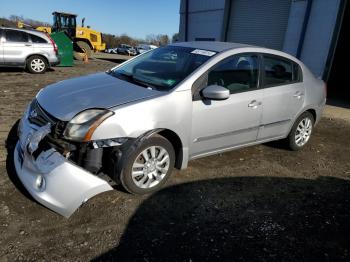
256, 204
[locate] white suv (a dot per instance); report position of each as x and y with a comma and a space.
29, 49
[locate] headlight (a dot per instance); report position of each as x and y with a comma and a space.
83, 125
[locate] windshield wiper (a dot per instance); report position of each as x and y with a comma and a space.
152, 85
128, 77
144, 83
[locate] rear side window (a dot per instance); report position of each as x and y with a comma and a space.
277, 71
16, 36
297, 73
37, 39
238, 73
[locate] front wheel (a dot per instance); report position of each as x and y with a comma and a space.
148, 167
301, 131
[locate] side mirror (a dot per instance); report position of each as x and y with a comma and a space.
215, 92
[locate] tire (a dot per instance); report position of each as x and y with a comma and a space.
297, 139
83, 46
36, 64
153, 177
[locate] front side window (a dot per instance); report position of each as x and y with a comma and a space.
278, 71
16, 36
238, 73
162, 68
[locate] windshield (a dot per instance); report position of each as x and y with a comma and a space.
164, 67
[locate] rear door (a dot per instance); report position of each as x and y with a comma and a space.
40, 45
283, 95
16, 47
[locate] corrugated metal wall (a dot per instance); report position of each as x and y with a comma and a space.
205, 19
319, 34
275, 24
259, 22
295, 25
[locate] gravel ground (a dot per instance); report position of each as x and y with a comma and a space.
262, 203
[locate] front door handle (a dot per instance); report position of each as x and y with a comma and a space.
298, 94
28, 44
254, 104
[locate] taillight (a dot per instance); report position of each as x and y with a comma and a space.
53, 44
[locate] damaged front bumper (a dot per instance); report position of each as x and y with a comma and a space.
50, 178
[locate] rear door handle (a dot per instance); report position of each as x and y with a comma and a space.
298, 94
28, 44
254, 104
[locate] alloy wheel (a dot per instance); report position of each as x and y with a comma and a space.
303, 132
150, 167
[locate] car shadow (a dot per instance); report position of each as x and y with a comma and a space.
10, 143
11, 69
20, 70
240, 219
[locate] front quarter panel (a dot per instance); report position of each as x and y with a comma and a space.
172, 111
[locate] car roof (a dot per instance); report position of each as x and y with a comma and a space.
211, 45
224, 46
31, 31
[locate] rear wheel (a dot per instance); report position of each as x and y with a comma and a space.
84, 50
149, 166
37, 64
301, 131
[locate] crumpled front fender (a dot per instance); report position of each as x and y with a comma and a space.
55, 182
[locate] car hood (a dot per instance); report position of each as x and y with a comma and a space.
67, 98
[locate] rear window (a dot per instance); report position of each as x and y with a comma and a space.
16, 36
37, 39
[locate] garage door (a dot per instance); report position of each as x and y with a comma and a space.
259, 22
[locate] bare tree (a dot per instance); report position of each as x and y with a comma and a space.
28, 21
158, 40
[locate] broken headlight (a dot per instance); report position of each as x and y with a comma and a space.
83, 125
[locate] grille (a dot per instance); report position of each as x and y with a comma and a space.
38, 116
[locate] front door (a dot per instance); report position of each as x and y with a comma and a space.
16, 47
223, 124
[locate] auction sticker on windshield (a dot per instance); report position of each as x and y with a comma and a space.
203, 52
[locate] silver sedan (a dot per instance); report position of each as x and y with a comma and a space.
157, 111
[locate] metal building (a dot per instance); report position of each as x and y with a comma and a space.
311, 30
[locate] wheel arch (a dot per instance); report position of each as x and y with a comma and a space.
173, 138
41, 55
312, 112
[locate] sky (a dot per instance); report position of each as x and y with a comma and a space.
136, 18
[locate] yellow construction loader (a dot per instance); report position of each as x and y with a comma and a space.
85, 40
